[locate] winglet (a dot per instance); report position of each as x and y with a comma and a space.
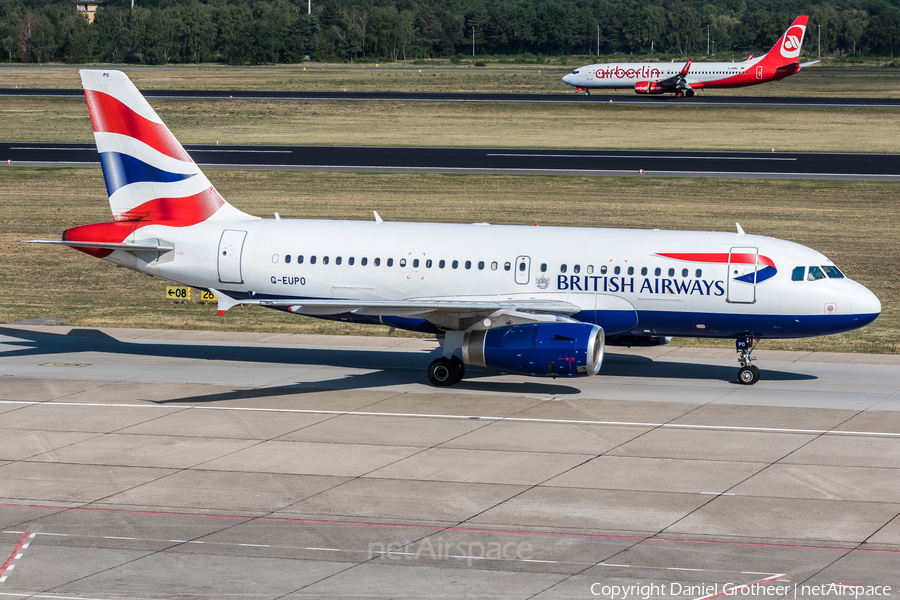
225, 301
687, 67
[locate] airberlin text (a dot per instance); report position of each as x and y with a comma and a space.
620, 73
602, 283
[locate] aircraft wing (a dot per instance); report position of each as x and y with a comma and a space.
448, 314
677, 81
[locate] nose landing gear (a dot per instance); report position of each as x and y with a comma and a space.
748, 374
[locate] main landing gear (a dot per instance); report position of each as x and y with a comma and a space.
446, 371
748, 374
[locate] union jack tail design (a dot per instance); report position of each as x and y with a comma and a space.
149, 175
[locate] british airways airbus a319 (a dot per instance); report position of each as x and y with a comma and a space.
540, 301
682, 79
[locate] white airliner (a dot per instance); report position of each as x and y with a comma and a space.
682, 79
515, 299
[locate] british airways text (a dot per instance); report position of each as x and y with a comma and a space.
600, 283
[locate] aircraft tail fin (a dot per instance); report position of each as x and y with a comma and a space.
787, 49
149, 175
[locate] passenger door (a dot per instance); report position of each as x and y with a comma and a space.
741, 282
231, 246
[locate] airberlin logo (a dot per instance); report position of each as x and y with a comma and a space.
792, 40
622, 73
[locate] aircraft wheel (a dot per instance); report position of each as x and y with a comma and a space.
689, 93
748, 375
460, 368
443, 372
587, 93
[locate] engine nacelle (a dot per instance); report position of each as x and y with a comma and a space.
541, 349
648, 87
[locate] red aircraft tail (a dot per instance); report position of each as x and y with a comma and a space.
786, 50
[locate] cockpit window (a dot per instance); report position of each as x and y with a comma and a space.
815, 273
832, 272
798, 274
574, 72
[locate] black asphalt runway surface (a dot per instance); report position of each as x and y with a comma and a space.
562, 97
768, 165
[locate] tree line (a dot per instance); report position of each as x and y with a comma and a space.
281, 31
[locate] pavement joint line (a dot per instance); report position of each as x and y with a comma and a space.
734, 590
483, 417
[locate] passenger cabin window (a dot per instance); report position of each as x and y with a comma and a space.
364, 261
312, 260
671, 272
350, 261
390, 262
643, 270
300, 259
563, 268
603, 270
481, 265
377, 262
576, 269
698, 273
631, 270
832, 272
455, 264
590, 269
337, 260
324, 260
402, 262
468, 264
798, 274
543, 267
657, 271
428, 264
415, 263
617, 270
506, 266
442, 263
287, 259
815, 273
684, 272
274, 257
494, 266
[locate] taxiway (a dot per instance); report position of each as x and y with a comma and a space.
155, 464
516, 161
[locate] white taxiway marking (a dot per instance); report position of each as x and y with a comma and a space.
482, 417
639, 156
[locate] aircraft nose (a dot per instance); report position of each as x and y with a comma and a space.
864, 302
567, 77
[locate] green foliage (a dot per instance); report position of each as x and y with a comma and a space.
280, 31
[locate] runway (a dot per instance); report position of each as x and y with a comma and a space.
155, 464
519, 161
564, 97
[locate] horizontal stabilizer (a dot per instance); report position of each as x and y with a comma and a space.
806, 64
108, 245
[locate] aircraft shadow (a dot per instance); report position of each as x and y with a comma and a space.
385, 367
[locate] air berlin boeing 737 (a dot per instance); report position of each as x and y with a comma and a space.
524, 300
682, 79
